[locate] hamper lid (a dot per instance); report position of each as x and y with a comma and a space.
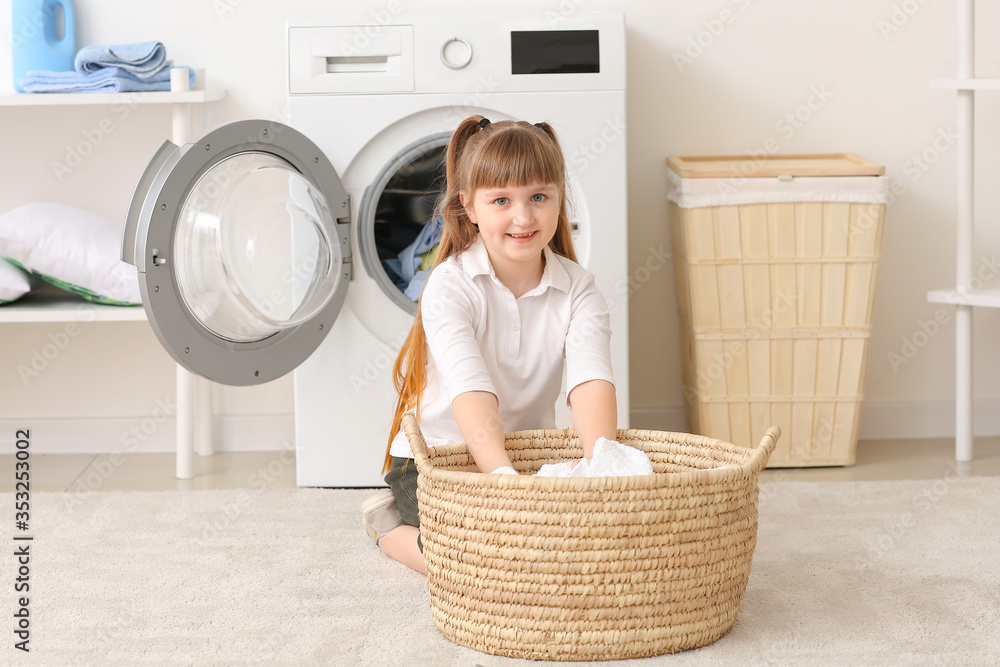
764, 166
728, 180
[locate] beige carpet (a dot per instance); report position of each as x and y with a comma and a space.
845, 573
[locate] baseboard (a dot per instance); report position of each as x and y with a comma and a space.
150, 434
925, 419
879, 421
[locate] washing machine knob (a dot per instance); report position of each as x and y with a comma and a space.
456, 53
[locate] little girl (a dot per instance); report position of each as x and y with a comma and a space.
505, 310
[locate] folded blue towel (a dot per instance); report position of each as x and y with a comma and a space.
105, 80
142, 60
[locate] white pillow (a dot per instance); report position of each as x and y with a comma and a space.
14, 282
74, 249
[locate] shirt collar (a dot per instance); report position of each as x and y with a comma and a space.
476, 262
475, 259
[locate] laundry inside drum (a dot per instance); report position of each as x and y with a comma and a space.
406, 230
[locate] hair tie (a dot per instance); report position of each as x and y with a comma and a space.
539, 126
483, 123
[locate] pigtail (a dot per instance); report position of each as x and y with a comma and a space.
458, 233
562, 242
547, 129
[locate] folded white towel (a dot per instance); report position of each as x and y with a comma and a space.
610, 459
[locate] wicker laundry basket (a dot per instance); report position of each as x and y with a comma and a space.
775, 265
588, 568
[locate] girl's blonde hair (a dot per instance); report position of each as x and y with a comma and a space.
480, 154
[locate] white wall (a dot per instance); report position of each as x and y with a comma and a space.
723, 76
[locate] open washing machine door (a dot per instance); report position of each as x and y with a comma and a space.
242, 243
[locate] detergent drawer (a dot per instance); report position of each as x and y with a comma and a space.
350, 59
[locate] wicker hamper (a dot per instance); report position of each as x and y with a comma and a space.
588, 568
775, 260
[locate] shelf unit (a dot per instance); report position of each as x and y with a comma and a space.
962, 295
49, 306
46, 304
78, 99
965, 84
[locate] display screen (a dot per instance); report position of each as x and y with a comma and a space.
555, 52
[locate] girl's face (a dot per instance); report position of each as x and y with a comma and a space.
516, 223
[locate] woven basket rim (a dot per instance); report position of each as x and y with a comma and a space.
755, 462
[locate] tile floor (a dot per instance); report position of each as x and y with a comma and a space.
876, 460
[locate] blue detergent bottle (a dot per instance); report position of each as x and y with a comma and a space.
43, 35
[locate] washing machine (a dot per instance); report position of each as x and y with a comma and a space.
264, 247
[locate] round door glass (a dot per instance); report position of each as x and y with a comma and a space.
256, 248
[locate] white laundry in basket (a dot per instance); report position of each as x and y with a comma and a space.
610, 459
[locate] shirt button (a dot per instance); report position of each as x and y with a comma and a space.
516, 327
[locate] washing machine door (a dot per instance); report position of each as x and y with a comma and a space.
241, 240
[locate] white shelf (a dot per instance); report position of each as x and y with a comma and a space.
51, 306
985, 298
65, 99
965, 84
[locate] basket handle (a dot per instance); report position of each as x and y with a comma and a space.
763, 451
417, 444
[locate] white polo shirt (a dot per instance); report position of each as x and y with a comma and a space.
481, 338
